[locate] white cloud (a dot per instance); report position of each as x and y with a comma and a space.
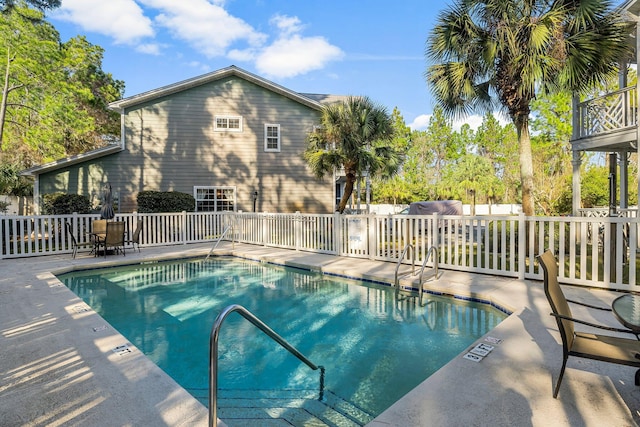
292, 54
287, 25
474, 121
148, 48
421, 122
200, 66
296, 55
122, 20
207, 27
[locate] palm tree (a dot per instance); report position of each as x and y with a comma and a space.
484, 51
355, 135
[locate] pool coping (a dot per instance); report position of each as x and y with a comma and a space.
56, 369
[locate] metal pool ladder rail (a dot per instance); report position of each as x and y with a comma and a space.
431, 253
213, 355
219, 239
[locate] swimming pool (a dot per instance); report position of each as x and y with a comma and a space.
374, 348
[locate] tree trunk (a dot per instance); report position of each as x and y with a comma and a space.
348, 190
5, 95
526, 164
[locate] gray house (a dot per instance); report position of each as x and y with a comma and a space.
232, 139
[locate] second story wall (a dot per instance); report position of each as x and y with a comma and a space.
212, 135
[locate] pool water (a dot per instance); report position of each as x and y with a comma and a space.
375, 349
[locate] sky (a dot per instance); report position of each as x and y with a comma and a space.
348, 47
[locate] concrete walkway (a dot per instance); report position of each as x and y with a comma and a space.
61, 364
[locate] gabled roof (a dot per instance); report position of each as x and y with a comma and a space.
631, 6
210, 77
72, 160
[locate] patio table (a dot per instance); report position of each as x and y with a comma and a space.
627, 310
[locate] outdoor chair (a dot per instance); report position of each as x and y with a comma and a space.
114, 238
134, 240
99, 226
75, 243
604, 348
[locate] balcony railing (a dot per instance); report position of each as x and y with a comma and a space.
613, 111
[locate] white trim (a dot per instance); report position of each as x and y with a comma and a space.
213, 76
267, 138
215, 199
227, 119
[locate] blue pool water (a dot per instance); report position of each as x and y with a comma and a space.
375, 349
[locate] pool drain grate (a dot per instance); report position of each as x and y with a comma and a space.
122, 350
482, 350
81, 309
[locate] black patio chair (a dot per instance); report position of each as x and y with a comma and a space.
134, 240
74, 242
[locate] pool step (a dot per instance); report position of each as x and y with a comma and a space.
239, 408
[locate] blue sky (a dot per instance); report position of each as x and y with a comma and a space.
348, 47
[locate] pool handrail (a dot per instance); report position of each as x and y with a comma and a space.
219, 239
433, 252
213, 354
396, 280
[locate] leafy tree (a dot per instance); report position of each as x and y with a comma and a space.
30, 45
355, 135
508, 51
499, 145
394, 189
595, 187
428, 156
474, 176
12, 184
551, 151
55, 95
8, 5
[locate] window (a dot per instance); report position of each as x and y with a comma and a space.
271, 137
228, 123
215, 199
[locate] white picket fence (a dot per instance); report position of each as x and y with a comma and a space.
591, 251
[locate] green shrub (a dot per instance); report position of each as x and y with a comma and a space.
165, 201
64, 204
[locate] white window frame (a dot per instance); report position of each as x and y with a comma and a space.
225, 127
215, 200
268, 138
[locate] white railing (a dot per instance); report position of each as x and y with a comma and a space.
595, 251
610, 112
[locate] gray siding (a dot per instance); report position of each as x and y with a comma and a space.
171, 145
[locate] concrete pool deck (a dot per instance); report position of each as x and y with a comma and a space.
61, 364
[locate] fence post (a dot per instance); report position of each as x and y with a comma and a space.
297, 230
436, 232
4, 236
338, 231
372, 227
522, 245
183, 229
265, 227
